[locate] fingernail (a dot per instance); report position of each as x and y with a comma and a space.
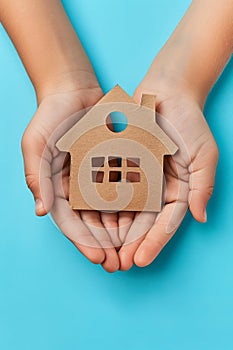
205, 215
39, 205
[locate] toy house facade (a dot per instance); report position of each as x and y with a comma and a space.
114, 171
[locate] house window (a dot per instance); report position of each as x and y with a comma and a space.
115, 169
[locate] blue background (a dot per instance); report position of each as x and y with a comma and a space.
51, 297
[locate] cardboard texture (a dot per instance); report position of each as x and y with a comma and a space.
114, 171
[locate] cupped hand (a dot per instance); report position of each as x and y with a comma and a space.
47, 173
189, 175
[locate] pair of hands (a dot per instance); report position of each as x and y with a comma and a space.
118, 240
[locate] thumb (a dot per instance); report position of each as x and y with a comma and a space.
38, 171
201, 183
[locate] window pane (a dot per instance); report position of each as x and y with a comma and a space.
97, 162
114, 161
97, 176
133, 162
114, 176
132, 176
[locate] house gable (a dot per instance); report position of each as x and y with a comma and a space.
142, 116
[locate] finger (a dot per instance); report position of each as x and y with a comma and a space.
127, 252
158, 235
93, 222
201, 182
70, 223
110, 222
143, 221
125, 219
37, 159
176, 191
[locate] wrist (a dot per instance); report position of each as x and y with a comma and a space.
169, 84
47, 45
66, 81
169, 76
197, 51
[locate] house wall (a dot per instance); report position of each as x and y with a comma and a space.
145, 195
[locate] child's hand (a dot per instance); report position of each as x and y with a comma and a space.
44, 166
181, 77
189, 175
65, 83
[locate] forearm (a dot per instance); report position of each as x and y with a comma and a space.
45, 41
199, 48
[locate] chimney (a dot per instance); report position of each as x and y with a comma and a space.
148, 101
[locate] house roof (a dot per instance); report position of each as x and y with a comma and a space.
117, 94
118, 100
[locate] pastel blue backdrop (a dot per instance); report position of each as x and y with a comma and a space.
51, 297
